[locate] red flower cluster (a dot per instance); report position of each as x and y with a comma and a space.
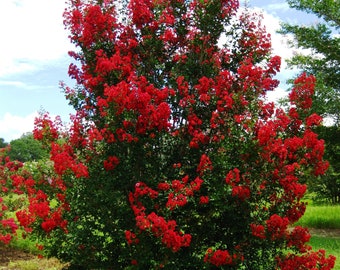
45, 129
40, 210
258, 231
131, 237
303, 91
20, 181
154, 223
241, 192
111, 163
204, 165
298, 238
234, 179
277, 226
220, 257
7, 224
204, 200
310, 260
64, 160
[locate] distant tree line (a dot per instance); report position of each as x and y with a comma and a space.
25, 148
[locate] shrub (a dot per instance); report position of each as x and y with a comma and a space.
174, 158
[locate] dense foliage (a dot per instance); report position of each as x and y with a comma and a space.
174, 159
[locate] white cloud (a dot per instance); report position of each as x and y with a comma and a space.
13, 126
283, 6
26, 85
32, 33
277, 94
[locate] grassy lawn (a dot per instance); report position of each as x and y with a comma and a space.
321, 217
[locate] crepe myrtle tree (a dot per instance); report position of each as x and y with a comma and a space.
174, 158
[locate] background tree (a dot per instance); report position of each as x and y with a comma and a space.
323, 59
26, 148
3, 144
174, 159
327, 187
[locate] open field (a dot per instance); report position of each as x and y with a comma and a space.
323, 216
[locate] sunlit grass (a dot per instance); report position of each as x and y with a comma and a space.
321, 217
36, 264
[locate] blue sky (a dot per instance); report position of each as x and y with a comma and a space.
33, 58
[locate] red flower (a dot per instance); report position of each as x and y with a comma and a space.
218, 257
177, 185
309, 260
258, 231
233, 177
241, 192
196, 184
131, 238
303, 91
204, 200
111, 163
48, 225
141, 12
25, 219
6, 239
298, 238
176, 200
163, 186
204, 165
313, 120
41, 209
277, 226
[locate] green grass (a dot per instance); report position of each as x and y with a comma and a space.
330, 244
321, 217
